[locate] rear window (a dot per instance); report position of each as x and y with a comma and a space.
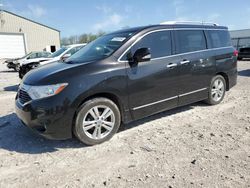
244, 42
190, 40
219, 38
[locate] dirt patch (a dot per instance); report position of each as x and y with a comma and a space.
192, 146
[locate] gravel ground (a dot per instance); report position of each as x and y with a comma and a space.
192, 146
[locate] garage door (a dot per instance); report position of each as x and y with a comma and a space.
12, 45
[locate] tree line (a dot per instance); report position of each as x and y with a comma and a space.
83, 38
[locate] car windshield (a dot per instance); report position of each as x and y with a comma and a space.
58, 52
26, 55
100, 48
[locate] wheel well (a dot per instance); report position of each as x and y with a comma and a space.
109, 96
225, 76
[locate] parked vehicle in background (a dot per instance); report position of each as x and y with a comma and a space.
244, 52
127, 75
30, 57
61, 54
11, 65
243, 47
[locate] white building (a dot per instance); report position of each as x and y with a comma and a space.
19, 36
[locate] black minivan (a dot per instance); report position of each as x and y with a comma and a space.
127, 75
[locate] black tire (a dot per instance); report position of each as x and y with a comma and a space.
83, 111
211, 100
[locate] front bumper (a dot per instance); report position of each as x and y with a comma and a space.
11, 65
50, 117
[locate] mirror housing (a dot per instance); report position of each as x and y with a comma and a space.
65, 56
142, 55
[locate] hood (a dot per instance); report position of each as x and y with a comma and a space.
54, 73
50, 60
35, 60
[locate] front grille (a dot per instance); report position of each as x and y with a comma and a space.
23, 96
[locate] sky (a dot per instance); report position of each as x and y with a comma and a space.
76, 17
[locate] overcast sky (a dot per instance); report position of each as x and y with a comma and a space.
77, 16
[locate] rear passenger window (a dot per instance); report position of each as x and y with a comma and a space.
190, 40
159, 44
219, 38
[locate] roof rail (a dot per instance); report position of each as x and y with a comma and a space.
188, 23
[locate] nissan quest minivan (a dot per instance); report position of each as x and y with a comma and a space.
127, 75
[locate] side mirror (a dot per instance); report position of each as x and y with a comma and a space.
65, 56
142, 55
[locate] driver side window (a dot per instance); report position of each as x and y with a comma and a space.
159, 44
33, 56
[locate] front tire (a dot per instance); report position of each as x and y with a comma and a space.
17, 67
217, 90
97, 121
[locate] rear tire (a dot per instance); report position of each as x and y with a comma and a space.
97, 121
217, 90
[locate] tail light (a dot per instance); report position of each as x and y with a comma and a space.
236, 53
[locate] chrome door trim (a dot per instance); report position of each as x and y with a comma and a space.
195, 91
153, 103
168, 99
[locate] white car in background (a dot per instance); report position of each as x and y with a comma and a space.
64, 53
59, 55
30, 57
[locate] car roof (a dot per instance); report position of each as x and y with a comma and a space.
170, 26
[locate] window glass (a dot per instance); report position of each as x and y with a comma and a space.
159, 44
40, 54
33, 55
100, 48
44, 54
190, 40
58, 52
74, 50
219, 38
244, 42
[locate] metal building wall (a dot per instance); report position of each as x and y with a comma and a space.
37, 36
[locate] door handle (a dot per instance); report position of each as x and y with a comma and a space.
171, 65
184, 62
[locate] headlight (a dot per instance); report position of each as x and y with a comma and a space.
38, 92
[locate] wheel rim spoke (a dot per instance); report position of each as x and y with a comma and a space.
107, 127
96, 111
213, 91
106, 113
220, 86
92, 113
110, 124
88, 125
95, 132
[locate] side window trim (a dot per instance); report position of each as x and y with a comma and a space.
173, 42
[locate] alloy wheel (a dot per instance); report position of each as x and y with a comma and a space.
98, 122
218, 90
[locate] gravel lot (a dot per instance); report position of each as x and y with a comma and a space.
192, 146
